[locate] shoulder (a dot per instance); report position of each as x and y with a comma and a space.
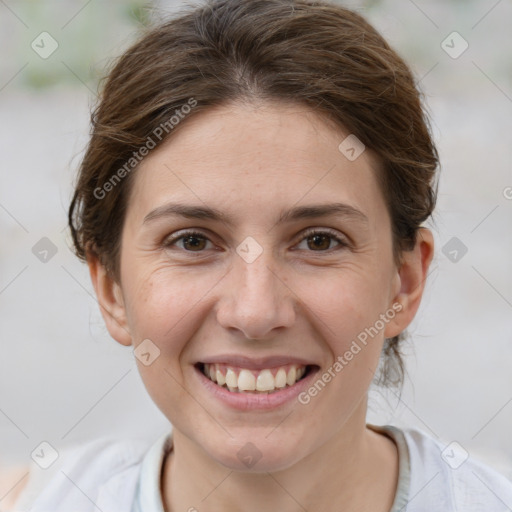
445, 473
84, 475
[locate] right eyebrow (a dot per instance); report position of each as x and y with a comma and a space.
187, 211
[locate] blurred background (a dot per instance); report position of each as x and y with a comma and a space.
65, 381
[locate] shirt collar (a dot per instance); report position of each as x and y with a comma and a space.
148, 494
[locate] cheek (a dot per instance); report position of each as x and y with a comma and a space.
347, 310
159, 307
163, 307
347, 303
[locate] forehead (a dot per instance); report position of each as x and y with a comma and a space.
261, 154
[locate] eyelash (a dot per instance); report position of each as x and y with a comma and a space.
343, 243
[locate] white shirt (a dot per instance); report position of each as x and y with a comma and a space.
123, 476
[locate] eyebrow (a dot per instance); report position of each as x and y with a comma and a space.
294, 214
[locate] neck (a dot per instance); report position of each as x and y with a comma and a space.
356, 467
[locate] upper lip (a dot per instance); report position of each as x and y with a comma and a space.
255, 363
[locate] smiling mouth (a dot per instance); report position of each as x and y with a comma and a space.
243, 380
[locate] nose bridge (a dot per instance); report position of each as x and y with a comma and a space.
257, 300
258, 280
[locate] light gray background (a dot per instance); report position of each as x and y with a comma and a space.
63, 380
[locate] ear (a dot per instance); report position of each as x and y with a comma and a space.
110, 299
410, 282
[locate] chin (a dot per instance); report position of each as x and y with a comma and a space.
257, 456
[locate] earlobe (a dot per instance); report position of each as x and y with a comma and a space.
411, 278
110, 300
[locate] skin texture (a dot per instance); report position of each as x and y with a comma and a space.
298, 298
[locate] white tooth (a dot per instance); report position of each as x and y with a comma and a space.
265, 381
212, 372
292, 375
221, 380
300, 372
246, 381
231, 379
280, 379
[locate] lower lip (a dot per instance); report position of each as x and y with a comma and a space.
256, 401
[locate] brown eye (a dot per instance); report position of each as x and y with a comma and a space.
190, 242
320, 241
194, 243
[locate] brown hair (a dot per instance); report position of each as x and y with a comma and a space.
308, 52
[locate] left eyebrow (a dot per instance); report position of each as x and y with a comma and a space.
322, 210
294, 214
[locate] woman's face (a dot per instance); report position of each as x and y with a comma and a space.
252, 290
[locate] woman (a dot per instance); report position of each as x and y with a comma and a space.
251, 209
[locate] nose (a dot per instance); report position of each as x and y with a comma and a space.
255, 299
